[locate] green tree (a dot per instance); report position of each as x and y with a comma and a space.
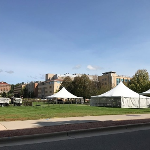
67, 83
27, 94
3, 94
12, 87
104, 89
82, 86
95, 88
76, 86
24, 93
11, 92
140, 81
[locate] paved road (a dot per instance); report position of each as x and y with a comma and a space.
130, 139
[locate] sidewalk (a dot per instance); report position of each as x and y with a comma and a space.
52, 125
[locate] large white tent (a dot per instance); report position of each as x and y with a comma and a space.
146, 93
120, 96
63, 93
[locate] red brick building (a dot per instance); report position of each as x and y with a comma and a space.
4, 87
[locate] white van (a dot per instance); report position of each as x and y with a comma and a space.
4, 101
17, 101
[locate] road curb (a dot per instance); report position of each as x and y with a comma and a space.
70, 133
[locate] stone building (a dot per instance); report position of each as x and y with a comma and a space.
48, 87
18, 89
4, 87
111, 79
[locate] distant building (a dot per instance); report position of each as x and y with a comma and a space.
72, 76
4, 87
111, 79
53, 81
32, 88
50, 77
18, 89
48, 87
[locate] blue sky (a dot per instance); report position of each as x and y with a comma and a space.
72, 36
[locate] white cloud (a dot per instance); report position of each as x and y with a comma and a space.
10, 72
90, 67
77, 67
1, 70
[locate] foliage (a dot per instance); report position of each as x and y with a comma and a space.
24, 93
84, 86
11, 92
140, 81
81, 86
67, 83
28, 94
12, 87
3, 94
17, 84
95, 88
103, 90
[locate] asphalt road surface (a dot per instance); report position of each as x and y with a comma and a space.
130, 140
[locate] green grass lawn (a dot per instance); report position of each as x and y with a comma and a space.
60, 110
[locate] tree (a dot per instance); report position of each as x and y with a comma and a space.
140, 81
11, 92
67, 83
24, 93
12, 88
103, 90
3, 94
95, 88
82, 86
76, 86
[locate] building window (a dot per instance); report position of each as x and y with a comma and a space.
126, 80
117, 81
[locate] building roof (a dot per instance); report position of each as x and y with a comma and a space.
108, 72
3, 83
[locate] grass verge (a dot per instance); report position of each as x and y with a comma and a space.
34, 112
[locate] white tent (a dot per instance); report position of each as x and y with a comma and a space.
146, 93
120, 96
63, 93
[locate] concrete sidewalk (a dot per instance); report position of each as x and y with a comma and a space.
13, 125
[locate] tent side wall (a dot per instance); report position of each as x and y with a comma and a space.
106, 101
131, 102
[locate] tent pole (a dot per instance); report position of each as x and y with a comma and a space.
139, 100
